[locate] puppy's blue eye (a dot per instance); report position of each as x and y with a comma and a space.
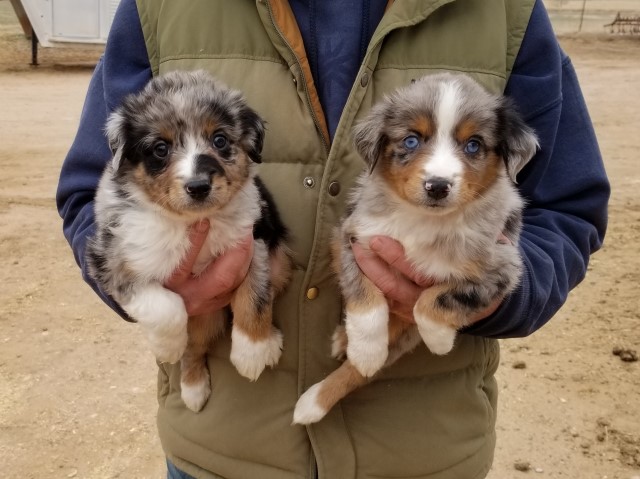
411, 142
220, 141
161, 149
472, 147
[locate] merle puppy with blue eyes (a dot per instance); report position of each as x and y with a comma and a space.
184, 150
442, 155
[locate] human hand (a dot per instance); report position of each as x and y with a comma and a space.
212, 289
386, 265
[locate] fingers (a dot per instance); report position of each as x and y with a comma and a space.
197, 236
392, 252
226, 273
396, 287
389, 269
212, 289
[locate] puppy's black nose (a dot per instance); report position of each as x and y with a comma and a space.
198, 189
437, 188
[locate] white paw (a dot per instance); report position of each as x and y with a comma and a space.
438, 337
163, 319
307, 409
195, 395
368, 335
168, 347
251, 357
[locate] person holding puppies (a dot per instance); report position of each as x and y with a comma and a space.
314, 70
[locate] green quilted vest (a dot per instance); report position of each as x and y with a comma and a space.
426, 416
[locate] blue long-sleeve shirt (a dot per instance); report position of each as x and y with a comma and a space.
565, 185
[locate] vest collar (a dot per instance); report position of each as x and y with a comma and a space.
404, 13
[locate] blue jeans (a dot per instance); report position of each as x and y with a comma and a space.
174, 473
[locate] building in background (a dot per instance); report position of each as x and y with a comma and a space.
54, 22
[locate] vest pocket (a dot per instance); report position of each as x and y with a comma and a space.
410, 420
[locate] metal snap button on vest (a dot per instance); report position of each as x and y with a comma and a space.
364, 79
295, 81
334, 188
312, 293
309, 182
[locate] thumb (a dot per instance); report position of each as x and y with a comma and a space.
197, 235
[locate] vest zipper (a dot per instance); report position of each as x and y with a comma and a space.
306, 89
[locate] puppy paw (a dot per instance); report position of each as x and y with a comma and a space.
163, 320
308, 410
438, 337
168, 345
195, 395
251, 357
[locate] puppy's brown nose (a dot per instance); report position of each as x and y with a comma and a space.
437, 188
198, 189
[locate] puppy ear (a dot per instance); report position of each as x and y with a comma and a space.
369, 138
116, 137
253, 129
518, 142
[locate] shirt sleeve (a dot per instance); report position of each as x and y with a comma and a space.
123, 69
565, 185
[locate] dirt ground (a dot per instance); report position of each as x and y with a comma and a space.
77, 392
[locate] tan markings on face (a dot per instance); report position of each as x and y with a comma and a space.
480, 171
479, 176
167, 189
407, 180
236, 173
167, 132
403, 169
164, 189
424, 126
465, 130
209, 127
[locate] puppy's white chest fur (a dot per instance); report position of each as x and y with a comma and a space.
420, 237
440, 246
154, 243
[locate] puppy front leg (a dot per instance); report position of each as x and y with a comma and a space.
255, 342
366, 318
195, 382
443, 309
436, 322
163, 318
